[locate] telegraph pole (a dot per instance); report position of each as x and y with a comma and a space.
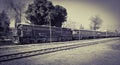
79, 34
106, 33
50, 33
81, 28
50, 28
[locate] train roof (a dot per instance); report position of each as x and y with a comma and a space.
42, 26
93, 31
87, 30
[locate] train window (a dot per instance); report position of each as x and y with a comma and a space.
19, 32
1, 29
29, 29
39, 34
74, 32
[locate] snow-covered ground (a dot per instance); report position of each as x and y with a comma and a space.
107, 53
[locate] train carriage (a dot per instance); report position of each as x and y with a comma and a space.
89, 34
83, 34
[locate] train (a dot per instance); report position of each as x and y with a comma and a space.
40, 33
24, 33
92, 34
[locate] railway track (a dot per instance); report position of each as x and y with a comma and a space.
14, 56
10, 47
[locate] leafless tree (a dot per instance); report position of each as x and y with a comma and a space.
81, 27
69, 24
96, 22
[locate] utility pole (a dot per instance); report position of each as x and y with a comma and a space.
106, 33
50, 28
79, 32
79, 35
20, 15
81, 28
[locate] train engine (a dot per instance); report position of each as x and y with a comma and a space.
40, 33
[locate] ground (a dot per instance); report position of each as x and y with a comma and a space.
100, 54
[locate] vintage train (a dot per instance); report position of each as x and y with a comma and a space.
41, 33
36, 33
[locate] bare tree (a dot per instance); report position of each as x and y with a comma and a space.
96, 22
81, 27
116, 30
69, 24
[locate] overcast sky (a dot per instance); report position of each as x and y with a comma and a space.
80, 11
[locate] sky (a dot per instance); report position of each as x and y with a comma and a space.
80, 12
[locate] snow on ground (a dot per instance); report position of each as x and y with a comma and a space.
100, 54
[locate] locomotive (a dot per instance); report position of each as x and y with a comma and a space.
41, 33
